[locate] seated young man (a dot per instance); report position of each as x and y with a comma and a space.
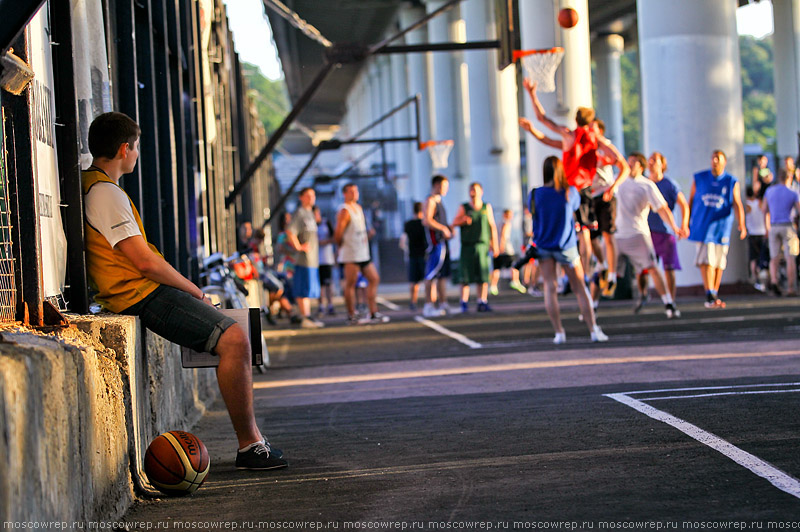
132, 277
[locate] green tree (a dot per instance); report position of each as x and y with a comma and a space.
270, 97
758, 91
631, 101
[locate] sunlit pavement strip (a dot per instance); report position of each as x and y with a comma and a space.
453, 367
781, 480
447, 332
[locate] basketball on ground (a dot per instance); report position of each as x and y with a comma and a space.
567, 17
176, 463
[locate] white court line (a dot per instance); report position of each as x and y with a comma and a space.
716, 394
765, 470
386, 303
733, 387
447, 332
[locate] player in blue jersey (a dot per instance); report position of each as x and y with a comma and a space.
714, 200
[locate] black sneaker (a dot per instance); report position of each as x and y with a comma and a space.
259, 458
775, 289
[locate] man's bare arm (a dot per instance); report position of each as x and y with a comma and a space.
684, 211
739, 210
342, 219
428, 221
154, 267
538, 108
608, 148
538, 135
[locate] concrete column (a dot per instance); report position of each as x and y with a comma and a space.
445, 87
692, 100
402, 125
417, 83
787, 75
494, 128
607, 50
540, 30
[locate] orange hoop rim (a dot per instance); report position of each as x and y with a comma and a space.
424, 145
518, 54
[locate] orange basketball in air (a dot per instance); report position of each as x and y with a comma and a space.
176, 462
567, 17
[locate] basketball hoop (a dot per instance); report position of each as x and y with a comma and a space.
541, 65
439, 150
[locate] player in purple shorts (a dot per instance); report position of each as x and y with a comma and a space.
664, 242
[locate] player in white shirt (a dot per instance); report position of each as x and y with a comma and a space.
635, 197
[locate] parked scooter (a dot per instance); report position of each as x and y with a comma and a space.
226, 291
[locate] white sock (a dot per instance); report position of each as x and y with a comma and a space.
612, 277
245, 449
667, 299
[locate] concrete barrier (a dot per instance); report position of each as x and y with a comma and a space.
77, 411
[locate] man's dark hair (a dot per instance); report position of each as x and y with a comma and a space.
640, 158
438, 178
304, 190
417, 207
109, 131
749, 192
346, 186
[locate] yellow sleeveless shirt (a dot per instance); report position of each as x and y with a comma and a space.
118, 282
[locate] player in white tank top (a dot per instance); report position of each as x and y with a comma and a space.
353, 240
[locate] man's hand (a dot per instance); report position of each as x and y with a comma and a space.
529, 85
526, 124
448, 234
608, 195
742, 233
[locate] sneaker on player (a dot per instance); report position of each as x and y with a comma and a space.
775, 290
352, 319
493, 290
377, 317
516, 285
308, 323
446, 309
483, 306
611, 287
464, 307
257, 457
598, 335
671, 311
560, 338
429, 311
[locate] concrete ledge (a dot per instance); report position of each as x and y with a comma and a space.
79, 407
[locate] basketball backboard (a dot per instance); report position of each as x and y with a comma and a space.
507, 31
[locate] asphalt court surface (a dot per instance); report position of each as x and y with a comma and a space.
399, 423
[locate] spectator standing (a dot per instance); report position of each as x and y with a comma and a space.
301, 235
779, 201
758, 252
762, 176
327, 259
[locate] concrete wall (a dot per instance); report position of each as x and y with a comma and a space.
78, 407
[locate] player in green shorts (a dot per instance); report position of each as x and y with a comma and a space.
478, 237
